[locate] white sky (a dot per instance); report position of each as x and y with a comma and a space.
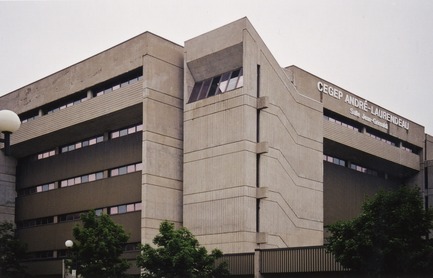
381, 50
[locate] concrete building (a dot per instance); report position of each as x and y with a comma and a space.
216, 136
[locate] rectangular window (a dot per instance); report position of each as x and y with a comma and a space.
222, 87
217, 85
204, 89
114, 210
233, 80
214, 86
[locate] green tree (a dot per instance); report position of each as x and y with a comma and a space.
178, 254
97, 248
12, 251
390, 236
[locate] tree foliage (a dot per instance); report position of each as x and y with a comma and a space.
389, 236
97, 248
12, 251
179, 254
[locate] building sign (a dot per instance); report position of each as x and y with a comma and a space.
363, 109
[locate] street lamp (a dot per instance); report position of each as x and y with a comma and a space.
69, 243
9, 123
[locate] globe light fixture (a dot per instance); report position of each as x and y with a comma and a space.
69, 243
9, 123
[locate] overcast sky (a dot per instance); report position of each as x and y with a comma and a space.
380, 50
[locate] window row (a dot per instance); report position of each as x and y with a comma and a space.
64, 253
126, 131
82, 144
372, 134
136, 167
36, 222
82, 179
114, 210
349, 126
79, 97
124, 208
90, 141
353, 166
363, 169
126, 169
334, 160
119, 85
68, 104
381, 139
217, 85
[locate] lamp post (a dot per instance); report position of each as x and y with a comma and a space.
9, 123
69, 244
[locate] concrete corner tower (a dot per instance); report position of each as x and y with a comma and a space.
253, 167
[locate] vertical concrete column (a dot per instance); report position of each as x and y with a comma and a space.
7, 187
257, 273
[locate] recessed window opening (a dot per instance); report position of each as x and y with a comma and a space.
380, 137
217, 85
126, 169
82, 144
46, 154
126, 131
78, 97
340, 120
120, 209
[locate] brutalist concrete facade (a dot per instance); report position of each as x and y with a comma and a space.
214, 136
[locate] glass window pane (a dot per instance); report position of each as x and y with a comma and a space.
241, 79
114, 210
85, 143
92, 177
71, 182
131, 130
78, 145
99, 175
204, 89
195, 91
123, 132
122, 170
214, 86
131, 168
130, 207
114, 134
138, 206
233, 80
92, 141
77, 180
223, 83
114, 172
99, 139
139, 127
85, 178
64, 183
122, 209
139, 166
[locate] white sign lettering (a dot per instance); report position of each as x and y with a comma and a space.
363, 105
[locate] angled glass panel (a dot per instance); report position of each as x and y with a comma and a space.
195, 91
233, 80
222, 86
204, 89
241, 79
214, 86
